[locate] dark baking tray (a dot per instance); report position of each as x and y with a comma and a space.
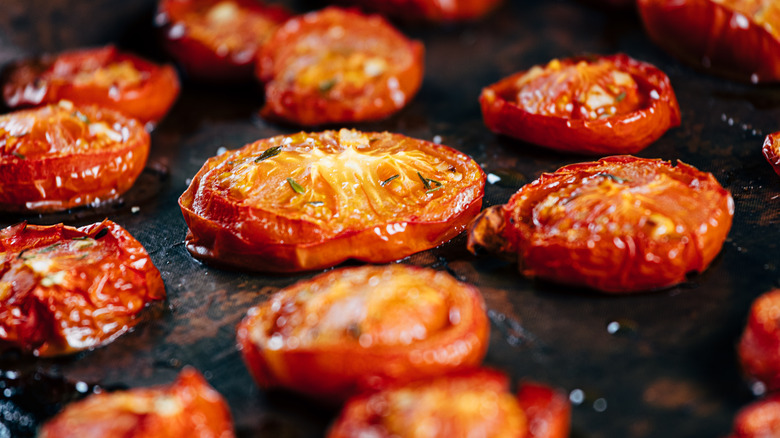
669, 371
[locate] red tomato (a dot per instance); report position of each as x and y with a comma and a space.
189, 407
772, 150
61, 156
217, 40
313, 200
548, 411
758, 420
64, 289
735, 38
589, 105
621, 224
759, 348
105, 77
336, 66
432, 10
362, 328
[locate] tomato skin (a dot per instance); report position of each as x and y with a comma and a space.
548, 411
432, 10
83, 77
243, 213
759, 347
47, 168
618, 134
726, 39
328, 351
189, 407
760, 419
771, 150
48, 274
621, 224
312, 45
200, 59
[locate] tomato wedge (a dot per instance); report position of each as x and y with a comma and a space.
313, 200
590, 105
620, 224
65, 289
432, 10
217, 40
760, 419
189, 407
759, 347
772, 150
336, 66
734, 38
104, 76
363, 328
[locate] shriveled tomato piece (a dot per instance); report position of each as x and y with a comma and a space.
772, 150
64, 289
735, 38
189, 407
312, 200
760, 419
362, 328
104, 76
217, 39
548, 411
432, 10
336, 66
589, 105
759, 348
620, 224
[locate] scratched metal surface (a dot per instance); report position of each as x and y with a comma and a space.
670, 371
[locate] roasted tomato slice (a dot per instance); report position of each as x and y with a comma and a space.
759, 348
64, 289
313, 200
432, 10
772, 150
548, 411
217, 39
61, 156
590, 105
189, 407
362, 328
620, 224
105, 77
735, 38
758, 420
336, 66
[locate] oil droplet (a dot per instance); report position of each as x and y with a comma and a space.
577, 396
758, 388
600, 405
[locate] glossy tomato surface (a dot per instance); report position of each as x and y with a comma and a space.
548, 411
760, 419
313, 200
65, 289
735, 38
759, 347
105, 77
432, 10
217, 40
771, 150
590, 105
189, 407
620, 224
362, 328
336, 66
62, 156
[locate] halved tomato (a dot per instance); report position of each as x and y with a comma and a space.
589, 105
64, 289
61, 156
189, 407
356, 329
759, 347
432, 10
735, 38
760, 419
217, 39
772, 150
336, 66
313, 200
620, 224
104, 76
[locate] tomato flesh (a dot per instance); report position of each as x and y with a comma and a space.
771, 150
759, 347
758, 420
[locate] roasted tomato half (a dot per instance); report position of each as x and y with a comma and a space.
589, 105
621, 224
105, 77
772, 150
313, 200
337, 66
548, 411
469, 404
61, 156
217, 39
759, 348
65, 289
734, 38
758, 420
189, 407
432, 10
362, 328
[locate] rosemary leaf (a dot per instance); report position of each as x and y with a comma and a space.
620, 97
18, 155
268, 153
297, 188
385, 182
424, 181
617, 179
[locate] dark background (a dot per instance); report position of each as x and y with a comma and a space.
670, 371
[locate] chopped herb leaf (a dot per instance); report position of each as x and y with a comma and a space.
80, 238
316, 203
373, 139
18, 155
620, 97
354, 330
101, 233
424, 181
49, 248
82, 257
617, 179
268, 153
427, 183
297, 188
433, 189
22, 256
326, 85
384, 183
80, 116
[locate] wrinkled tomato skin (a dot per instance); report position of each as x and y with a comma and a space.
621, 224
64, 289
189, 407
330, 370
759, 347
289, 100
49, 79
432, 10
760, 419
771, 150
619, 134
548, 411
716, 37
200, 61
46, 181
